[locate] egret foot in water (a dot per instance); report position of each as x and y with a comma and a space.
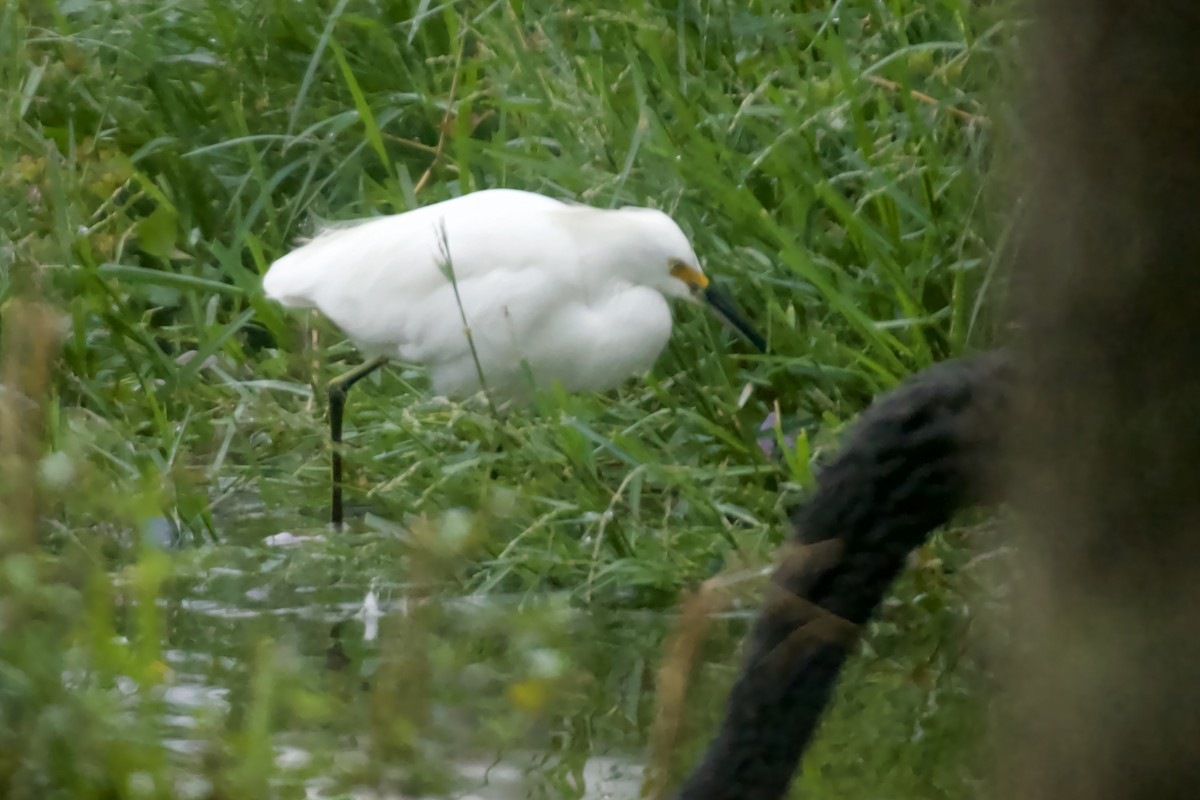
338, 388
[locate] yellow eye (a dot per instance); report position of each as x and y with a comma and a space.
695, 279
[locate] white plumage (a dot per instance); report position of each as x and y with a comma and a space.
576, 293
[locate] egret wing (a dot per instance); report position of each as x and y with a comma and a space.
375, 278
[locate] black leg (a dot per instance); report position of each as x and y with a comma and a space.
338, 387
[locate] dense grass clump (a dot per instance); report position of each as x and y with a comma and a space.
831, 163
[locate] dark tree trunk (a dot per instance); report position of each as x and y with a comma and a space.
1106, 474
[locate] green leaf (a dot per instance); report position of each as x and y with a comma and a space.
157, 232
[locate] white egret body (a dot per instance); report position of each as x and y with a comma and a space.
578, 294
550, 291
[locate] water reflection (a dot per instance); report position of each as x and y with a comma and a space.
377, 681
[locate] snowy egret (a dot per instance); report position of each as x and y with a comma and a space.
501, 290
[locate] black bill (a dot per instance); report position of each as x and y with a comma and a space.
723, 305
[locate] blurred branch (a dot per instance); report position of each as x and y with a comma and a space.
30, 345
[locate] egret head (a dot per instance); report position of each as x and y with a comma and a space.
676, 272
660, 255
646, 247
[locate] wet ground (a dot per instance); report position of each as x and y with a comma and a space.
387, 683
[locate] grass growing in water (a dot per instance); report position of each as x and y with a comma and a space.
160, 154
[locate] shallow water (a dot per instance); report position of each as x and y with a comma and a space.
511, 696
357, 665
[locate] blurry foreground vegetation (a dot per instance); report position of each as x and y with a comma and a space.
832, 162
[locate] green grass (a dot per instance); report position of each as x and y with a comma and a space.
159, 155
